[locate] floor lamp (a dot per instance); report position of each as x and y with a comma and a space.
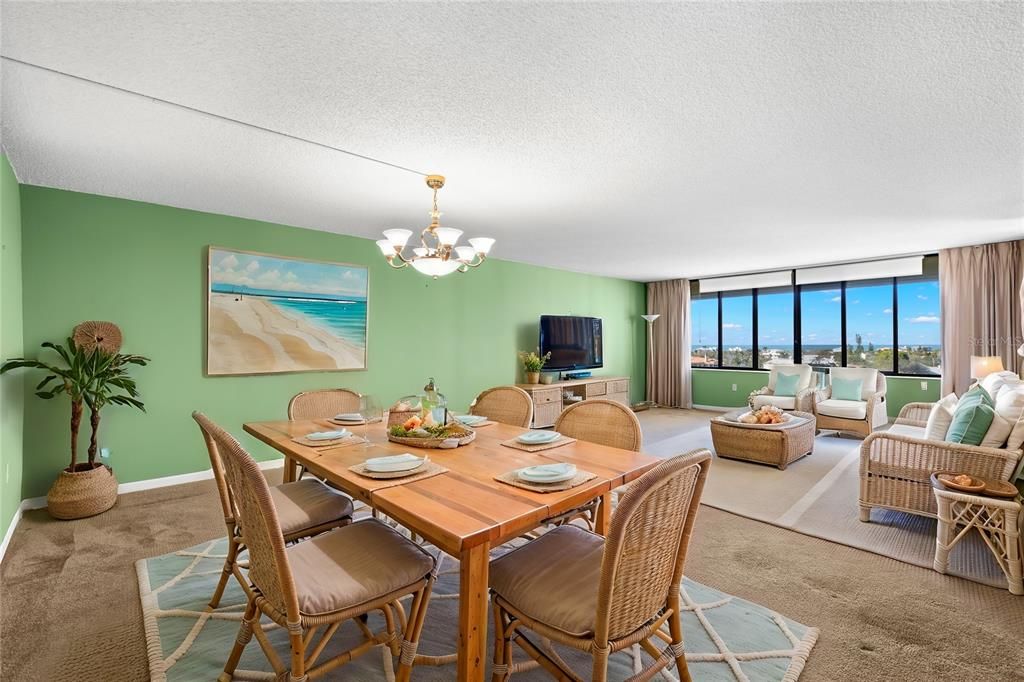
650, 354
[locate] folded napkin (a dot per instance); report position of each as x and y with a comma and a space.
395, 459
555, 469
327, 435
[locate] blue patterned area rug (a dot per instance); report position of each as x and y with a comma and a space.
727, 639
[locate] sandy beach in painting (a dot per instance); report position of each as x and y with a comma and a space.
253, 335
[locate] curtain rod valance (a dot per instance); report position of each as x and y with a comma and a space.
761, 280
891, 267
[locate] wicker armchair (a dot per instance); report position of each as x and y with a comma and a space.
864, 417
323, 403
603, 595
805, 391
304, 508
505, 404
896, 465
322, 582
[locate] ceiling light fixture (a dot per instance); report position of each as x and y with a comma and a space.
438, 256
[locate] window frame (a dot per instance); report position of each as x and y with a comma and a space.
796, 290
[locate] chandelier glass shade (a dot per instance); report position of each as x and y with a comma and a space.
438, 254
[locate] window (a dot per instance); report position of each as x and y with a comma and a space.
704, 330
869, 330
737, 329
917, 305
821, 325
890, 324
774, 326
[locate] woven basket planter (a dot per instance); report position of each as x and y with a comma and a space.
84, 492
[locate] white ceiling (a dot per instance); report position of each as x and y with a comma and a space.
645, 141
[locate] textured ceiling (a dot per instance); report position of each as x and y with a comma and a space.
638, 140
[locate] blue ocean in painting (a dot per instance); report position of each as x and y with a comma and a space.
344, 316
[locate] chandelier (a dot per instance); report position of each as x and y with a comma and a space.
438, 254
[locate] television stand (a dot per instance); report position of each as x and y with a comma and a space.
550, 399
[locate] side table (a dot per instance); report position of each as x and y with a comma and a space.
997, 520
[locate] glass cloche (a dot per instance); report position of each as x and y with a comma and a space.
431, 406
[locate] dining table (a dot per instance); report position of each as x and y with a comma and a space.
464, 511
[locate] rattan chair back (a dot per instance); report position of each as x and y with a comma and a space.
505, 404
217, 465
323, 403
269, 570
646, 545
601, 421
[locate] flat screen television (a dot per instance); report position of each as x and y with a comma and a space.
574, 342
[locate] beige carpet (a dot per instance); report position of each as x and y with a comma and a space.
817, 495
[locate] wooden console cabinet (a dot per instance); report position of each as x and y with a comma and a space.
549, 399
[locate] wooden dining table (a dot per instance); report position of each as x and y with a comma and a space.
464, 511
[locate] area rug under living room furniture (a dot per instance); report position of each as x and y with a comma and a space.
727, 638
464, 511
777, 444
997, 520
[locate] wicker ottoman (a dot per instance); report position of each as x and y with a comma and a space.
764, 444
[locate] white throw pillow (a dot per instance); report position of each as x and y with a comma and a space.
997, 432
940, 418
995, 382
1010, 406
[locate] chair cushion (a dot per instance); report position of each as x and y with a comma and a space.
553, 579
354, 564
786, 385
940, 418
867, 375
308, 503
846, 389
781, 402
844, 409
906, 430
972, 418
1010, 406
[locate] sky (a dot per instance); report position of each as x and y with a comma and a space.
286, 275
869, 313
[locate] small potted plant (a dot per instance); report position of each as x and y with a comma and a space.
533, 364
92, 374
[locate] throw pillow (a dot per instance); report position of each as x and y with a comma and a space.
940, 418
997, 433
1010, 407
785, 384
846, 389
972, 418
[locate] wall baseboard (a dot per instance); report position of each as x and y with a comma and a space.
122, 488
715, 408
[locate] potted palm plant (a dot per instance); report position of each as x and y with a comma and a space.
92, 373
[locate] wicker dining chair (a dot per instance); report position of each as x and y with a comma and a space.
505, 404
320, 583
323, 403
603, 595
605, 422
305, 508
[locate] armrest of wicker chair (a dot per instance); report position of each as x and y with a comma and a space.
874, 399
806, 399
915, 414
819, 395
906, 457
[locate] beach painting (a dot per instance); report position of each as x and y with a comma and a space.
270, 314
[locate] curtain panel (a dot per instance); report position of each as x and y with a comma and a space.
982, 289
668, 366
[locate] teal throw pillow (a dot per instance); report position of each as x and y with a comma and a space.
785, 384
973, 416
846, 389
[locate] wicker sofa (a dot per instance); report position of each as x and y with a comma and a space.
896, 465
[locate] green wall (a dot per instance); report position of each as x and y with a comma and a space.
11, 385
713, 387
143, 267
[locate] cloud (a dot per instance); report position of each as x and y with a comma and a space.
253, 266
922, 298
887, 311
856, 301
731, 325
925, 319
812, 336
229, 263
836, 299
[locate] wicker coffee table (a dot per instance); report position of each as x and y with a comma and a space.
778, 445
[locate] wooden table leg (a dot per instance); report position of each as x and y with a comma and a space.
289, 470
473, 569
604, 515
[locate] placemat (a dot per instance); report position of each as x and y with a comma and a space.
399, 477
477, 426
513, 443
341, 422
338, 443
580, 478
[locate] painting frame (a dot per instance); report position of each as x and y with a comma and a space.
211, 249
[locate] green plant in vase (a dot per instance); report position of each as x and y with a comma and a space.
533, 363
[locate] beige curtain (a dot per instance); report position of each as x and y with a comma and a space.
982, 308
668, 369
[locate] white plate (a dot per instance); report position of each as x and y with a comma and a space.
548, 473
328, 435
538, 437
403, 462
349, 417
471, 419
